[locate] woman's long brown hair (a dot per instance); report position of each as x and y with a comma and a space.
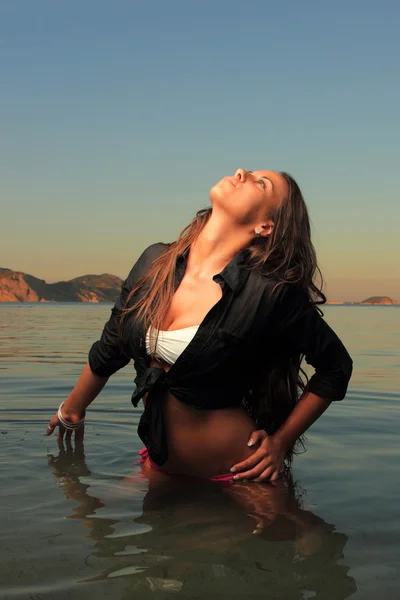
287, 256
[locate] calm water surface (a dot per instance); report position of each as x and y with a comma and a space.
84, 522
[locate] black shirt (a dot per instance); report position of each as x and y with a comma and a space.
254, 322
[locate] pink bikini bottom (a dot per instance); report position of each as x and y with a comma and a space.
218, 478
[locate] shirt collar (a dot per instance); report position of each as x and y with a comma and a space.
234, 274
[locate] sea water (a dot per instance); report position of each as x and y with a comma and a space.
81, 521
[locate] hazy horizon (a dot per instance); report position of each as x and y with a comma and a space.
118, 118
355, 290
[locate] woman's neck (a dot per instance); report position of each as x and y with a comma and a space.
214, 248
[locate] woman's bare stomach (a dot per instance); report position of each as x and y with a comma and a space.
205, 443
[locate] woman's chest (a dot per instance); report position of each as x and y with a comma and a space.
231, 326
191, 302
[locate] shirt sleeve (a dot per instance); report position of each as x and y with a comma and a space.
304, 331
106, 356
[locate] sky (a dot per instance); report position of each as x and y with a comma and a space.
117, 117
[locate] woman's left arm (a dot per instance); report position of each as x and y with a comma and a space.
302, 328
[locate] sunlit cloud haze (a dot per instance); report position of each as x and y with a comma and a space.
118, 117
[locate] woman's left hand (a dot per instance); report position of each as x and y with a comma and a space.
267, 461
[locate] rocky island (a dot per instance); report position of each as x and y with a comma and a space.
16, 286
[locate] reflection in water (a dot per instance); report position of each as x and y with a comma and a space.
198, 537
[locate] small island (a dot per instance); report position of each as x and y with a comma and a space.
379, 300
371, 301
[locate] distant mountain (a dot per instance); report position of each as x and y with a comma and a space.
21, 287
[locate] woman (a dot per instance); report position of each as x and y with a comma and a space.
217, 324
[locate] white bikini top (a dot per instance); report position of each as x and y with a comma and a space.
170, 344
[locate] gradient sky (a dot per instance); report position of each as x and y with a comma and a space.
116, 118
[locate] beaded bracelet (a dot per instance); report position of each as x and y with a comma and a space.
68, 424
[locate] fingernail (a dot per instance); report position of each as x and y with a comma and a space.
233, 469
236, 477
250, 442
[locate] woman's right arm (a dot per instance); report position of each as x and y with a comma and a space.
105, 356
85, 391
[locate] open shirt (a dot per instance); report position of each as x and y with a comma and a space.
255, 324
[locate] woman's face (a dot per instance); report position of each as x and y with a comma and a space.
249, 196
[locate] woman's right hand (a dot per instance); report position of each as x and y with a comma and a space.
74, 418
